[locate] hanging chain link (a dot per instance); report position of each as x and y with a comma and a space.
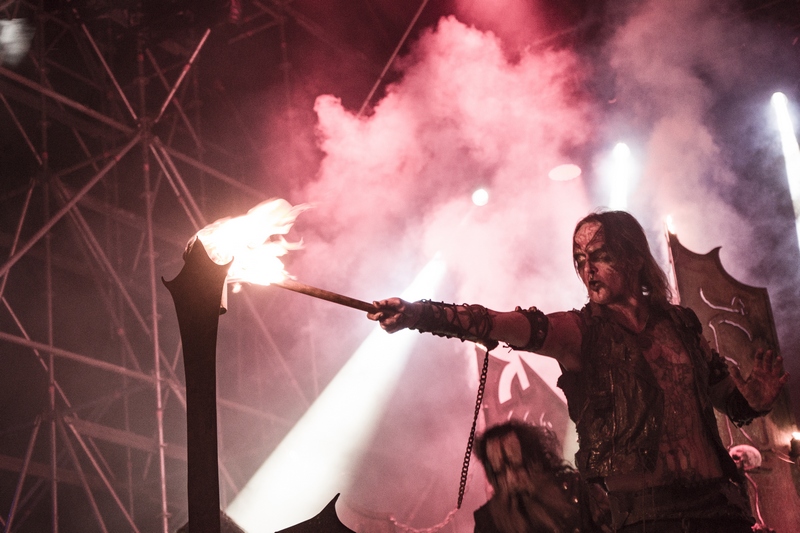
432, 529
470, 443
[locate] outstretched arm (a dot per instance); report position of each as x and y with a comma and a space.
557, 335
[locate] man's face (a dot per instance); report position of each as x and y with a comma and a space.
599, 272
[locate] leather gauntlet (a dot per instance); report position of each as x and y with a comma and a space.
539, 325
465, 322
739, 411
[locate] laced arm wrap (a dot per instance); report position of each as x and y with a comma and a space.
539, 324
465, 322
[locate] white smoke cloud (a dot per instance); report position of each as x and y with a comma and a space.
673, 63
395, 186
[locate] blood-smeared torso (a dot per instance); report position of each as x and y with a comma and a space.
685, 453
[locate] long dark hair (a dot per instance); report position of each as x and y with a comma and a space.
539, 445
627, 244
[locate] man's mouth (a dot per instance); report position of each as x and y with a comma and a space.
594, 285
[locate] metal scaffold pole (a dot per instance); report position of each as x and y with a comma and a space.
149, 200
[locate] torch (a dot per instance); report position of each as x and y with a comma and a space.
253, 244
322, 294
256, 242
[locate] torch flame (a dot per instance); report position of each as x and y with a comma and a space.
254, 242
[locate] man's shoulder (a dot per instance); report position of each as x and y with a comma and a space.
684, 317
484, 523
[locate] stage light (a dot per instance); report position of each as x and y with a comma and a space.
317, 459
15, 40
621, 175
791, 152
670, 224
794, 446
565, 172
480, 197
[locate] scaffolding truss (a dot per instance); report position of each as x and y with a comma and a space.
116, 177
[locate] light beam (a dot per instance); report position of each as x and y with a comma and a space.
318, 457
621, 175
791, 152
670, 224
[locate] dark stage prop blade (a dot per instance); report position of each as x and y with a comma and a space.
197, 292
327, 521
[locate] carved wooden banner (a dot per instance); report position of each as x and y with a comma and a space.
737, 320
515, 391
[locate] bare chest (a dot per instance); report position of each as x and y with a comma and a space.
668, 359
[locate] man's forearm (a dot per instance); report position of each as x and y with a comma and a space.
465, 322
523, 329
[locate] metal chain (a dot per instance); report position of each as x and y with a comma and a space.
432, 529
478, 401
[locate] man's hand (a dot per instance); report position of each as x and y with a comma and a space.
765, 381
395, 314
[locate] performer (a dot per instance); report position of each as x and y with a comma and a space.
640, 381
534, 489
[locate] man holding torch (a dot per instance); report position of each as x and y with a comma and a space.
640, 381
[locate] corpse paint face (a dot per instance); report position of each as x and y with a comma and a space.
604, 282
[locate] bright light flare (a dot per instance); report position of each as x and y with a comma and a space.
622, 174
670, 224
15, 40
565, 172
791, 152
254, 241
320, 455
480, 197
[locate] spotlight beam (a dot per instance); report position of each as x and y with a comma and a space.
791, 152
318, 457
621, 178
